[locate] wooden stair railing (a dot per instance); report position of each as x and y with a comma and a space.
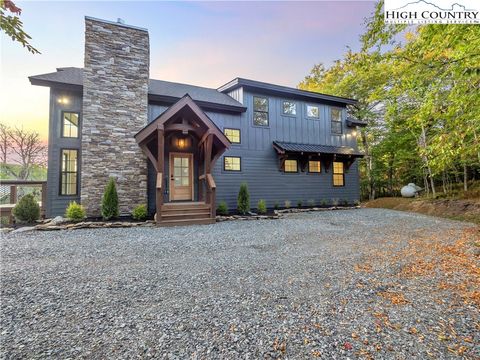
211, 187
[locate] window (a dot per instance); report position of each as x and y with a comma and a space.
336, 116
260, 111
338, 174
70, 124
289, 108
314, 166
233, 135
313, 111
291, 166
231, 163
68, 172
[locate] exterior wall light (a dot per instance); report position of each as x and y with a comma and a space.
63, 100
182, 143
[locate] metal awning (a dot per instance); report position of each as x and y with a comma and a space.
286, 147
351, 122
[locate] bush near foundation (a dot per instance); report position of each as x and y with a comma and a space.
140, 212
27, 210
243, 200
222, 208
110, 209
75, 212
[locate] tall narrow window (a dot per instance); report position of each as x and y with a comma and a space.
70, 124
291, 166
69, 172
231, 163
338, 174
289, 108
336, 116
314, 166
260, 111
233, 135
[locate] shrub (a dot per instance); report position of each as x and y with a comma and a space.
276, 205
299, 203
261, 206
140, 212
288, 204
75, 212
324, 202
27, 209
344, 202
222, 208
243, 200
110, 201
335, 202
356, 202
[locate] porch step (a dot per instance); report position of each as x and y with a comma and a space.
183, 222
188, 213
181, 215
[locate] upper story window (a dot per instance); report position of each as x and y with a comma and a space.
291, 166
231, 163
260, 111
313, 111
289, 108
68, 172
314, 166
338, 174
233, 135
336, 117
70, 123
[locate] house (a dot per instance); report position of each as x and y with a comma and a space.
181, 148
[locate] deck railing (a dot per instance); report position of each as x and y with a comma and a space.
13, 190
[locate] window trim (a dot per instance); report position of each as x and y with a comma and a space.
62, 134
312, 117
336, 121
283, 109
290, 172
239, 135
314, 172
234, 171
334, 173
264, 112
77, 187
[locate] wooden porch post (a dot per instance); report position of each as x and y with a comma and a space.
160, 172
210, 198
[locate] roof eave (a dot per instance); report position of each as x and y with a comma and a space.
239, 82
48, 83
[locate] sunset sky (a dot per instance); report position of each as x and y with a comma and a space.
200, 43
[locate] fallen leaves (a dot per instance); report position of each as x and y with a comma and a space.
396, 298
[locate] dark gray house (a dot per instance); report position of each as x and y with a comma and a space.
181, 148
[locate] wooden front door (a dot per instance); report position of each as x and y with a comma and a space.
181, 176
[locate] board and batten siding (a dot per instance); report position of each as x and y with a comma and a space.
259, 161
56, 203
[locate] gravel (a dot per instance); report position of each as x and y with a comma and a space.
238, 289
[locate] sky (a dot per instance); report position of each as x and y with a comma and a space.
199, 43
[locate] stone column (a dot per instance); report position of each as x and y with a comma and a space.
115, 107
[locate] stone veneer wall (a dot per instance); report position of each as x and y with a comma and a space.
115, 105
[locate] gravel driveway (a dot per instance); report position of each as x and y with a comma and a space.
291, 288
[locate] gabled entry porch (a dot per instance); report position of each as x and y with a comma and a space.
183, 145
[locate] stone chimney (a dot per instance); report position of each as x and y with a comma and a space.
115, 107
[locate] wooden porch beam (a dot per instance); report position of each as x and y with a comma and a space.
150, 156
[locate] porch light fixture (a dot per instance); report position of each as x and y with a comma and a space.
182, 143
63, 100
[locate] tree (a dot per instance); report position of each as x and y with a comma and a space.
5, 142
23, 147
418, 90
12, 26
